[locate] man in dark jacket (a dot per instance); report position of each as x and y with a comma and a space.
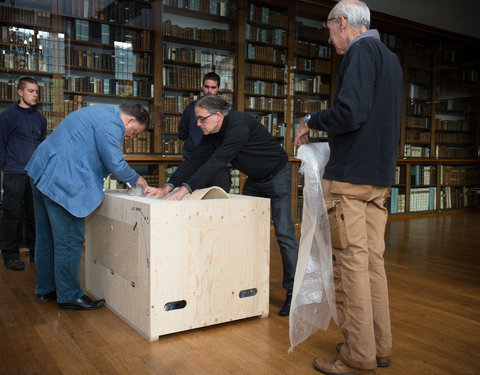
363, 128
234, 137
22, 128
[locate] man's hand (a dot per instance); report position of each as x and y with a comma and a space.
157, 192
301, 137
141, 181
178, 195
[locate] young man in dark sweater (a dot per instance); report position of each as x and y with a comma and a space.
241, 140
22, 128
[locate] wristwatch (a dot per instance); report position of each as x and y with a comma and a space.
307, 118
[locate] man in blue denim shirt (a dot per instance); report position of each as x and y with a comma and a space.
22, 129
67, 172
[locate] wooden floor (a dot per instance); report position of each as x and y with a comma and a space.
433, 266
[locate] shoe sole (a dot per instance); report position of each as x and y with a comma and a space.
69, 308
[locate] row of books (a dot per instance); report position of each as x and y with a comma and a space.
264, 72
411, 151
396, 201
177, 104
450, 56
422, 64
222, 8
270, 36
313, 65
423, 175
312, 85
173, 147
88, 58
459, 175
308, 49
19, 60
140, 144
420, 77
275, 129
465, 151
121, 87
418, 122
418, 92
307, 32
305, 105
419, 108
170, 124
181, 77
265, 104
417, 136
423, 199
265, 88
391, 40
21, 37
454, 138
127, 11
217, 36
460, 74
96, 32
267, 16
266, 54
455, 125
235, 187
452, 197
454, 105
169, 170
35, 17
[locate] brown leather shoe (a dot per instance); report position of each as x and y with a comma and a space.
381, 361
334, 366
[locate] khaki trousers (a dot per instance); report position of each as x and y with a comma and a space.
360, 281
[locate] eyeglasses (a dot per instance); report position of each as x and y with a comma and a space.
202, 119
324, 23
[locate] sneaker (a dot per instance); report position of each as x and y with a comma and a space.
15, 265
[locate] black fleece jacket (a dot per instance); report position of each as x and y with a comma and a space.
363, 124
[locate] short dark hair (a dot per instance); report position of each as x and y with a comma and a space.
212, 76
22, 82
136, 110
214, 104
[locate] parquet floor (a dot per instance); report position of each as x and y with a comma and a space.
433, 267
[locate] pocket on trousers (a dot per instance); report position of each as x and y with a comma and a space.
338, 232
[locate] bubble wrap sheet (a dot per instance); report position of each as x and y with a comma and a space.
313, 301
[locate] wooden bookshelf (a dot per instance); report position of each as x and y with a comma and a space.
275, 63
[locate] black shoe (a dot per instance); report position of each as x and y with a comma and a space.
43, 298
15, 265
285, 310
82, 303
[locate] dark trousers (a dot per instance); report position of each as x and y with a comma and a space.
17, 194
278, 188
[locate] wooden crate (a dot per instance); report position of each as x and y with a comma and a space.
166, 266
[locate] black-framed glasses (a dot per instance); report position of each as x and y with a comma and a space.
202, 119
324, 23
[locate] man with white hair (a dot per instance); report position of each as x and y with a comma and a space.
363, 128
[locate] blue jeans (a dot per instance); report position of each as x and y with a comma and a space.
58, 250
278, 188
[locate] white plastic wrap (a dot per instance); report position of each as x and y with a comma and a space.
313, 301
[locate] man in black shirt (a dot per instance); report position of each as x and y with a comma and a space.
236, 138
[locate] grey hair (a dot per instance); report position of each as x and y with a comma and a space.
356, 13
214, 104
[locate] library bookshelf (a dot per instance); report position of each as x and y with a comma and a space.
275, 63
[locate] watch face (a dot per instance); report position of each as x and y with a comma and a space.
307, 118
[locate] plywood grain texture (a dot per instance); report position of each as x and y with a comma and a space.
166, 267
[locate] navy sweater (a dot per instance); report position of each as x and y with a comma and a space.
21, 131
363, 123
242, 141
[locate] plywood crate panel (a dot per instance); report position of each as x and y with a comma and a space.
166, 266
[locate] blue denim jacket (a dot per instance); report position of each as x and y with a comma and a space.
70, 165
